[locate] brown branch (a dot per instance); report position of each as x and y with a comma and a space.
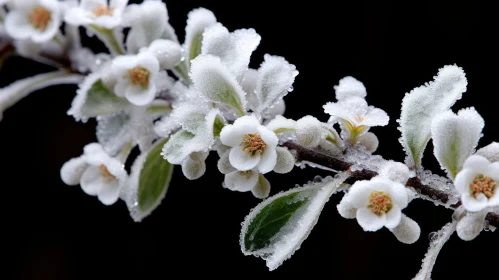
304, 154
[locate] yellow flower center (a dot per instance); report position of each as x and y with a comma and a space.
139, 76
40, 17
103, 10
379, 203
482, 184
253, 144
106, 175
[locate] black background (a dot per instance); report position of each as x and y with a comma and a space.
53, 231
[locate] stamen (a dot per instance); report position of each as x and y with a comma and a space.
139, 76
107, 176
40, 18
253, 144
103, 10
482, 184
380, 203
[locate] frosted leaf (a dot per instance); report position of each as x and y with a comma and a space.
180, 145
276, 228
113, 132
141, 127
248, 83
471, 225
348, 87
197, 21
285, 161
148, 182
281, 124
436, 243
234, 49
148, 22
490, 152
165, 126
217, 83
408, 231
422, 104
275, 79
455, 138
16, 91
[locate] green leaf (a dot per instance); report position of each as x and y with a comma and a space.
101, 101
218, 125
150, 178
275, 228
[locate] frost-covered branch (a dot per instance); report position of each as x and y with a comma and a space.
308, 155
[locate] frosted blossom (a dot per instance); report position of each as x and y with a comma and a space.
73, 169
136, 77
97, 12
471, 225
168, 53
285, 161
379, 203
242, 181
395, 171
477, 183
355, 116
309, 131
281, 124
408, 231
253, 145
193, 168
490, 152
370, 141
38, 20
350, 87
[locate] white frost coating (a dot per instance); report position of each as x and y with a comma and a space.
455, 138
471, 225
113, 132
408, 231
262, 188
290, 237
217, 83
19, 89
396, 171
281, 124
275, 79
349, 87
197, 21
490, 152
422, 104
234, 49
436, 244
441, 184
370, 141
193, 169
309, 131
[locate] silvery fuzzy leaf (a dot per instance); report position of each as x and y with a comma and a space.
113, 132
422, 104
197, 21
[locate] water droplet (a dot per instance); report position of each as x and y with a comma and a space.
182, 58
432, 236
291, 88
317, 179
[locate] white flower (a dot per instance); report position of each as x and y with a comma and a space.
97, 12
38, 20
477, 183
136, 75
355, 116
253, 145
104, 176
379, 203
249, 180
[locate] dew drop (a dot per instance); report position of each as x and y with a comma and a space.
432, 236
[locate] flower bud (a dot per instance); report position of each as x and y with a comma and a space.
369, 141
407, 231
285, 161
72, 170
168, 53
471, 225
490, 152
193, 169
309, 131
396, 171
262, 188
346, 209
223, 163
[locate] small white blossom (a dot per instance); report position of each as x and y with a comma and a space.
253, 145
355, 116
379, 203
249, 180
136, 77
38, 20
104, 177
97, 12
477, 183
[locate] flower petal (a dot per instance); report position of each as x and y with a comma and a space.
393, 217
110, 192
398, 193
91, 180
474, 204
18, 26
375, 117
268, 160
359, 194
241, 181
463, 180
233, 135
492, 171
370, 221
476, 163
262, 188
140, 96
268, 136
242, 160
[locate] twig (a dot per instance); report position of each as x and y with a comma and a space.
304, 154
